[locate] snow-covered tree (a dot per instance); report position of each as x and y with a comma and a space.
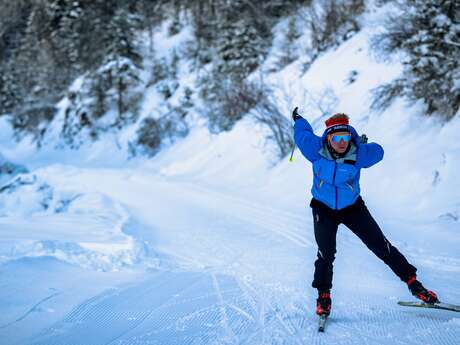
428, 32
288, 51
115, 88
32, 75
125, 64
67, 22
240, 49
10, 90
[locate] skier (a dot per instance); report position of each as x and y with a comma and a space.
337, 157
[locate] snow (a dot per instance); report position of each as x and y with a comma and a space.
209, 243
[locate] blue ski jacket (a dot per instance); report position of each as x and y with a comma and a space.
335, 181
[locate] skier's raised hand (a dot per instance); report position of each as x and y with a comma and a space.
295, 114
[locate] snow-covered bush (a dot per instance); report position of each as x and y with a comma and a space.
148, 137
33, 118
115, 88
227, 101
428, 33
267, 113
154, 134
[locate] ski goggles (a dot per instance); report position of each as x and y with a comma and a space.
337, 137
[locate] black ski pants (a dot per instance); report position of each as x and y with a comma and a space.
358, 219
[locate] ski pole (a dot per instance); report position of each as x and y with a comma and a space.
294, 114
291, 159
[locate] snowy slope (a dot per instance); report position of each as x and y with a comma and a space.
208, 243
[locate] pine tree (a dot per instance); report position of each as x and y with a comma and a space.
288, 47
66, 35
13, 23
240, 49
10, 91
125, 63
33, 71
434, 60
114, 86
429, 33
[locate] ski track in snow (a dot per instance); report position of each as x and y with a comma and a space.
265, 217
242, 298
31, 310
184, 315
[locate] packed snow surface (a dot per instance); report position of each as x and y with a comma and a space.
210, 243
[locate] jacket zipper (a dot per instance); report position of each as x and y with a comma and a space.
333, 182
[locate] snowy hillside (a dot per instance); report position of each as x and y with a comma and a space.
209, 242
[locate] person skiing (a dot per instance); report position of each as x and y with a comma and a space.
337, 158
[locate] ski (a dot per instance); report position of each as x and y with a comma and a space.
322, 323
439, 305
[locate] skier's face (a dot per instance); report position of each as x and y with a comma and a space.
339, 141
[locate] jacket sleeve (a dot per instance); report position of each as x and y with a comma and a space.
308, 143
369, 154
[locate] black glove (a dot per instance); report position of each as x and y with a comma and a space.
295, 114
363, 139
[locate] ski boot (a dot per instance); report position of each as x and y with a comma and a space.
323, 303
419, 291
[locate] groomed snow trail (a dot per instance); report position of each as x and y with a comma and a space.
236, 271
